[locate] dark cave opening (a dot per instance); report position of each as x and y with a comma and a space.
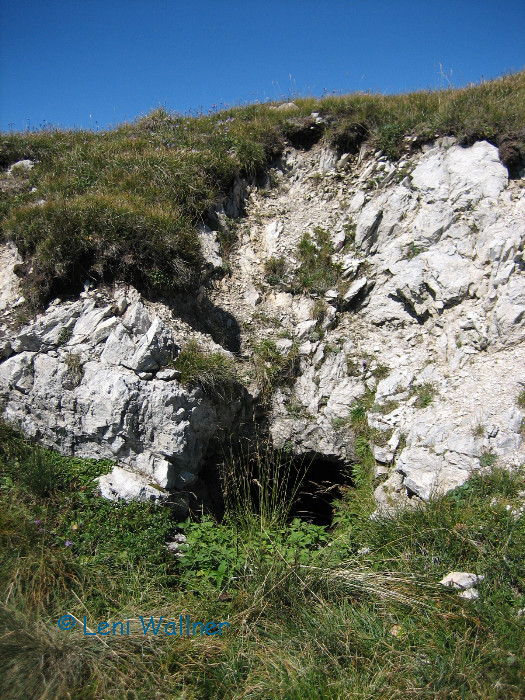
313, 484
320, 487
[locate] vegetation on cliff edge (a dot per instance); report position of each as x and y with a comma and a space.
125, 203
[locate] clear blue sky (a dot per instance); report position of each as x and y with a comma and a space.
99, 62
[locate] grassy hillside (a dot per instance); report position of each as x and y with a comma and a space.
354, 610
124, 203
351, 612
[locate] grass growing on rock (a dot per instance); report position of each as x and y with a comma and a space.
125, 203
273, 368
316, 273
215, 372
354, 611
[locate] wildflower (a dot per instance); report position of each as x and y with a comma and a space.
37, 521
68, 543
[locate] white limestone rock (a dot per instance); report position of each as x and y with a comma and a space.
97, 396
461, 580
210, 247
126, 485
21, 166
427, 474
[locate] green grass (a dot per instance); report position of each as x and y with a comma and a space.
488, 459
124, 203
424, 393
272, 368
309, 616
215, 372
316, 273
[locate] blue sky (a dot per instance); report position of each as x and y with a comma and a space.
92, 63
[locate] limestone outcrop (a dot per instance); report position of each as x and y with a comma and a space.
431, 249
425, 329
90, 378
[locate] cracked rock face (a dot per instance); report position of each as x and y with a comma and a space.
86, 379
435, 298
428, 331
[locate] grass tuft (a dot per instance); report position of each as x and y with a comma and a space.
215, 372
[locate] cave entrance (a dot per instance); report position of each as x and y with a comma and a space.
319, 488
311, 481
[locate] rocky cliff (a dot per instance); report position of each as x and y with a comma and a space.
414, 328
